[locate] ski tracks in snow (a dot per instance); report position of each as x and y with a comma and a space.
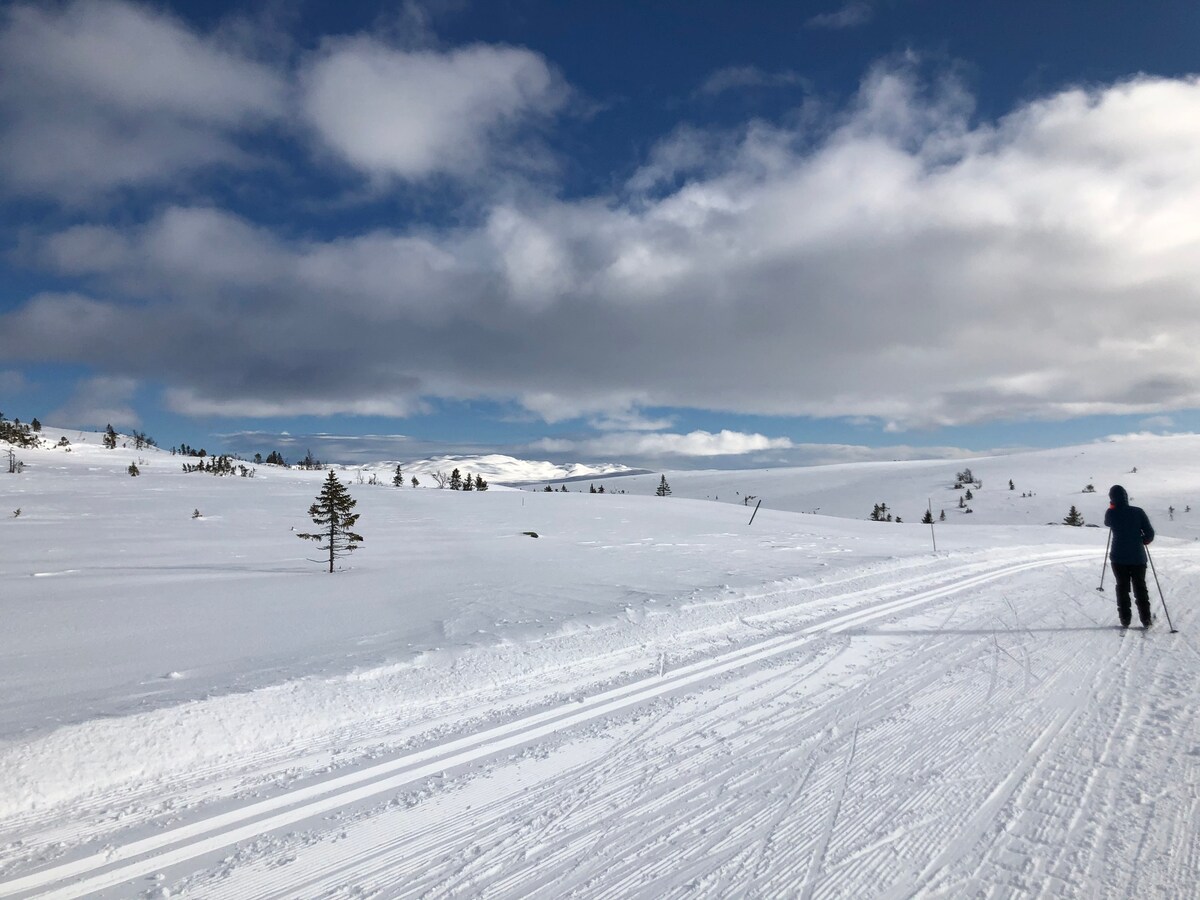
957, 737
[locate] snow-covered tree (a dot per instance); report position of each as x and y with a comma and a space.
480, 484
664, 489
455, 480
332, 513
1073, 517
398, 478
110, 438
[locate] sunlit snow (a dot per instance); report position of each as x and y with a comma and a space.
652, 698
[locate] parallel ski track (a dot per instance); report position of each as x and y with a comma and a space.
120, 864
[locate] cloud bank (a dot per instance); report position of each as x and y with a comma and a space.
898, 260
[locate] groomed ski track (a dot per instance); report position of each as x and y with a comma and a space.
973, 729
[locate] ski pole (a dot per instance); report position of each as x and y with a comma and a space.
1174, 630
1104, 563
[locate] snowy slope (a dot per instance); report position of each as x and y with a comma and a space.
496, 468
653, 698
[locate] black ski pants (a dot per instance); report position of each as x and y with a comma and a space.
1127, 575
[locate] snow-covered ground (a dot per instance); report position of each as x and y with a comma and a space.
652, 698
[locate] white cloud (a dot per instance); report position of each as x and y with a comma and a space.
852, 15
100, 94
741, 77
640, 445
416, 113
191, 403
913, 266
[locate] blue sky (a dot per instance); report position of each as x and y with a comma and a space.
667, 234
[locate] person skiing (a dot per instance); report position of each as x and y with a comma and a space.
1131, 532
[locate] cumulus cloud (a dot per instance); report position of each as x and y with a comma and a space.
912, 266
100, 94
411, 114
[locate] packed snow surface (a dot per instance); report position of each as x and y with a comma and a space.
653, 697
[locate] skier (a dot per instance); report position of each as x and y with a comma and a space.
1131, 531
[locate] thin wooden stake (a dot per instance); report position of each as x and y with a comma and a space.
931, 532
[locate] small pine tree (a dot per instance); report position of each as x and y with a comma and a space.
927, 519
664, 489
415, 482
942, 517
332, 512
1073, 518
134, 470
969, 495
468, 483
398, 478
36, 425
110, 438
600, 490
455, 480
1011, 486
480, 484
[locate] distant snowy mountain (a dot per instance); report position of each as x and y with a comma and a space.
502, 469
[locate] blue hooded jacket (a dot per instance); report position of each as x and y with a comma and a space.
1131, 529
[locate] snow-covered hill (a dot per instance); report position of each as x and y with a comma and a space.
499, 469
652, 698
1159, 473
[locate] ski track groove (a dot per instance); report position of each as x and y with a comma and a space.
90, 814
640, 883
696, 797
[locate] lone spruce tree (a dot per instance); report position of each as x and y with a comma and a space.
332, 513
1073, 517
664, 489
